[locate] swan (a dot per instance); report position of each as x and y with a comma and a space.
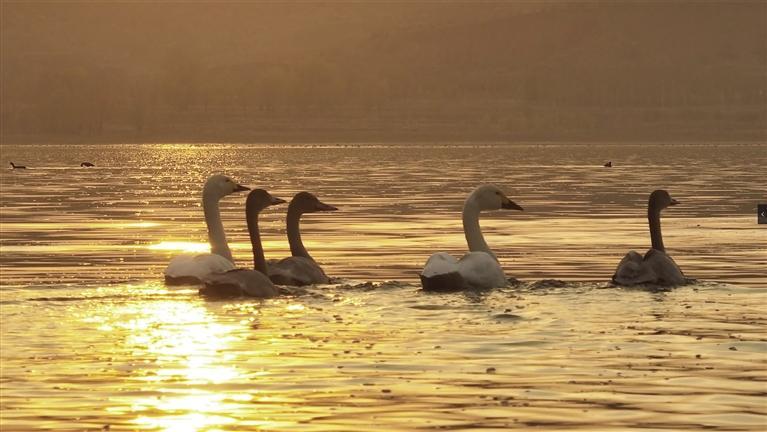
656, 267
17, 166
478, 269
189, 269
299, 269
86, 164
244, 282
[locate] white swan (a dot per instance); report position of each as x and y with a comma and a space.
243, 282
656, 267
299, 269
478, 269
190, 269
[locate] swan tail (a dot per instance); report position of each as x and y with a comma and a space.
445, 282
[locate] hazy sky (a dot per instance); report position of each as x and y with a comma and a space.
136, 71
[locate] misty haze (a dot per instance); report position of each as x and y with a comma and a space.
621, 71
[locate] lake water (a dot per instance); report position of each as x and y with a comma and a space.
91, 336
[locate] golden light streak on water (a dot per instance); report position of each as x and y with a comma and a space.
181, 246
92, 337
187, 342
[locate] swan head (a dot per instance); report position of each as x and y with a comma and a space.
660, 199
259, 199
220, 186
305, 202
490, 197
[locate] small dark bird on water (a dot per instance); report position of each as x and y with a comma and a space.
609, 164
17, 166
86, 164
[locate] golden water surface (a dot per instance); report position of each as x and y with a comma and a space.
92, 338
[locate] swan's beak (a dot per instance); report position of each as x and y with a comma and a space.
321, 206
275, 200
673, 202
241, 188
511, 205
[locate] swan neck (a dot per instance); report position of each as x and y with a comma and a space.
472, 230
653, 216
297, 248
259, 260
216, 235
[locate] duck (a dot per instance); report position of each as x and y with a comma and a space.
247, 282
191, 268
609, 164
300, 268
86, 164
656, 267
14, 166
479, 268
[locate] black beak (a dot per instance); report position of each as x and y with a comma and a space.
241, 188
673, 202
321, 206
276, 201
511, 205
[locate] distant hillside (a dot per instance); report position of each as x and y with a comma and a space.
377, 72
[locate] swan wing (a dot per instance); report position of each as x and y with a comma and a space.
481, 270
664, 268
297, 271
237, 283
441, 274
632, 270
197, 266
440, 263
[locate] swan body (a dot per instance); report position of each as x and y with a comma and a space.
475, 270
238, 283
300, 268
297, 271
478, 269
656, 267
192, 268
245, 282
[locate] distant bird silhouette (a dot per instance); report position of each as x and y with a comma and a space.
86, 164
17, 166
609, 164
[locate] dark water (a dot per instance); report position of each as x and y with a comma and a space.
91, 337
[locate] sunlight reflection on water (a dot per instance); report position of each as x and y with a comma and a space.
91, 336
